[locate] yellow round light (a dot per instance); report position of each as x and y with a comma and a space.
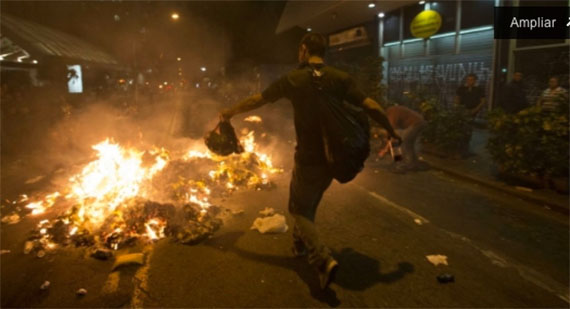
425, 24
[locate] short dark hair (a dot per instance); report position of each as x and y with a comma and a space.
316, 44
473, 75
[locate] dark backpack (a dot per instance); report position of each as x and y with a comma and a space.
345, 129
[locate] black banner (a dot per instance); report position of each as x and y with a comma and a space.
532, 22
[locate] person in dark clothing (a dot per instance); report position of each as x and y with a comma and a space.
311, 175
470, 95
514, 97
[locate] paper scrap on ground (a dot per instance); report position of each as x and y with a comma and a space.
11, 219
437, 259
267, 211
34, 180
238, 212
45, 285
525, 189
273, 224
128, 259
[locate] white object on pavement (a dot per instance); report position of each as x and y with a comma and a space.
11, 219
129, 259
28, 247
34, 180
267, 211
437, 259
45, 285
273, 224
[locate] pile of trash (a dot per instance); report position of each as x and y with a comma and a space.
126, 195
139, 221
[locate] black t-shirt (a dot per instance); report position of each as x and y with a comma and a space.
470, 97
298, 88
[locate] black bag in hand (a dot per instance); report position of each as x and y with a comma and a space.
223, 140
346, 133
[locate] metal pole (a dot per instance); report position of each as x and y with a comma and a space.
458, 27
401, 32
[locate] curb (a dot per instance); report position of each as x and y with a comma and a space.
500, 187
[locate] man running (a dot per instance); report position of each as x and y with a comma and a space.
311, 175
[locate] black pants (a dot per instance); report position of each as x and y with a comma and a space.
308, 184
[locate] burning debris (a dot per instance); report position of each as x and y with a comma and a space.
125, 196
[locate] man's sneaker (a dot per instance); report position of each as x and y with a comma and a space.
328, 272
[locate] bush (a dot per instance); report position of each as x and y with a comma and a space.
531, 142
448, 130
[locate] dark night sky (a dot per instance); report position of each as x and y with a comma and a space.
244, 28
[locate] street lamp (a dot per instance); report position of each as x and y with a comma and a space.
174, 16
203, 69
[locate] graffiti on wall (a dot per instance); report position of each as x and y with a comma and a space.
437, 76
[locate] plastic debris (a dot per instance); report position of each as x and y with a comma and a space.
437, 259
273, 224
11, 219
4, 251
223, 140
238, 212
81, 292
28, 247
45, 285
41, 254
101, 254
267, 211
34, 180
418, 221
445, 278
525, 189
128, 259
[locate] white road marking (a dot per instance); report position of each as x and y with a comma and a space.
527, 273
403, 209
111, 284
140, 280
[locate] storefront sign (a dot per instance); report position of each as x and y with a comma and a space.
425, 24
348, 36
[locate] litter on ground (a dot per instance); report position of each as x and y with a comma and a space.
128, 259
437, 259
267, 211
273, 224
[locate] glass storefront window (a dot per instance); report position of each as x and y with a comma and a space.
477, 13
392, 27
448, 11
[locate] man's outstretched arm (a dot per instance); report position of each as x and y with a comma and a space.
374, 110
246, 105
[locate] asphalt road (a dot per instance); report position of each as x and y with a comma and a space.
503, 252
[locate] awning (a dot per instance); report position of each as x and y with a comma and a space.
24, 41
330, 16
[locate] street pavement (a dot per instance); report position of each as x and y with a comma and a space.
502, 251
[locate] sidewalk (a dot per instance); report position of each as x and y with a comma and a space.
479, 168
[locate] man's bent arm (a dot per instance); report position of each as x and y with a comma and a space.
248, 104
374, 110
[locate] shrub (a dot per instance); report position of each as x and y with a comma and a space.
448, 129
531, 142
